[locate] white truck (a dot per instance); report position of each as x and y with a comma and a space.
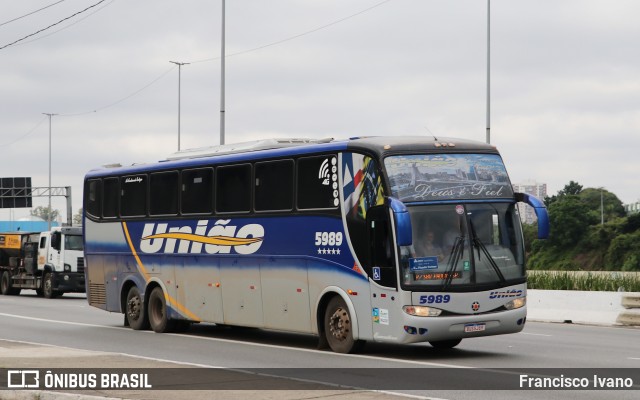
51, 262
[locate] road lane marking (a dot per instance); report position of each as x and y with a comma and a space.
62, 322
361, 356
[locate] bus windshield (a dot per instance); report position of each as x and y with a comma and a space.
457, 246
438, 177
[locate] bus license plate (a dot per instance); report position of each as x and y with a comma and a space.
474, 327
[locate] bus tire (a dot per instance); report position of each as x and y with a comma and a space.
5, 286
134, 310
445, 344
47, 286
158, 313
338, 327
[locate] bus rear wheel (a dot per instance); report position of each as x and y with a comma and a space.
338, 327
445, 344
134, 310
158, 312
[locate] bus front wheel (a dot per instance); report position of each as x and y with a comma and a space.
338, 327
158, 317
134, 312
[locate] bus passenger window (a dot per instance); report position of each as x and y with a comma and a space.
110, 194
133, 197
197, 191
318, 182
163, 193
93, 197
274, 186
233, 189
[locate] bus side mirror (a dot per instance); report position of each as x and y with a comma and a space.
402, 221
540, 210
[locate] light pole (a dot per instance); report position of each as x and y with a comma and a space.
49, 213
179, 64
222, 64
488, 72
601, 207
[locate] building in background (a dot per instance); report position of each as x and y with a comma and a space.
539, 190
26, 224
632, 208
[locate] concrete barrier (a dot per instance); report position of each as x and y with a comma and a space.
631, 314
584, 307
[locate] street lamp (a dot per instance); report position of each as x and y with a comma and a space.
488, 72
601, 206
179, 64
49, 213
222, 66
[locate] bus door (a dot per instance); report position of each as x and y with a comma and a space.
383, 274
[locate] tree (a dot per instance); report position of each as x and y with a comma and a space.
612, 206
570, 189
45, 213
77, 218
569, 219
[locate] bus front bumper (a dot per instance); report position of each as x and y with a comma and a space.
427, 329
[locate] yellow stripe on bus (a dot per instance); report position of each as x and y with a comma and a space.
143, 270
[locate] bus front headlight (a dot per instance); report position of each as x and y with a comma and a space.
516, 303
421, 311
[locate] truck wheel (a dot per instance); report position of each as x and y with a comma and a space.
5, 285
47, 286
158, 317
338, 329
135, 312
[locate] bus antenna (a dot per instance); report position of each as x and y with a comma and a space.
431, 133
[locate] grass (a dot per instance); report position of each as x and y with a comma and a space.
588, 281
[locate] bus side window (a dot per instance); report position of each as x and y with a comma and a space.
233, 188
93, 197
197, 191
163, 193
110, 198
274, 185
133, 195
381, 266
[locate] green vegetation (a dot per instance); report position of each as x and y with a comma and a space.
579, 241
588, 281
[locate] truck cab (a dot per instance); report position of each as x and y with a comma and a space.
61, 261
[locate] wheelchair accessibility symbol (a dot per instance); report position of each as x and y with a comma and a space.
376, 273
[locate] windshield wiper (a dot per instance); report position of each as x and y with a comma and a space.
477, 243
457, 252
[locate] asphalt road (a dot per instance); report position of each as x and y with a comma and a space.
71, 323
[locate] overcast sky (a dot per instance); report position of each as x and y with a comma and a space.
565, 81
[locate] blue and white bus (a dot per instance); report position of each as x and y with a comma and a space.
324, 237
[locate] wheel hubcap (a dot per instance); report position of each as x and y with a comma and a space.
339, 324
134, 308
